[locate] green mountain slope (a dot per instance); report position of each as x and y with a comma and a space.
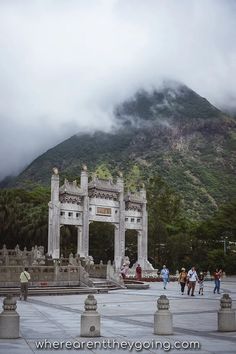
172, 132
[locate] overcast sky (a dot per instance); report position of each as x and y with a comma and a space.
64, 64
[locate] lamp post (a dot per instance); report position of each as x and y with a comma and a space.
225, 245
225, 236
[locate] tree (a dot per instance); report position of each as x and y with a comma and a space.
216, 259
133, 179
165, 216
178, 251
23, 217
102, 172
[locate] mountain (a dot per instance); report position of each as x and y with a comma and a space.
171, 132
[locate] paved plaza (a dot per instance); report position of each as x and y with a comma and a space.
126, 316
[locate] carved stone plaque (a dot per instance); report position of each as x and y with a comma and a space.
103, 211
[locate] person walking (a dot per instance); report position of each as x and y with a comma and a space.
201, 283
138, 272
217, 277
24, 283
165, 275
182, 279
124, 270
192, 279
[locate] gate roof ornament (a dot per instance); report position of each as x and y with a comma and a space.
70, 188
55, 170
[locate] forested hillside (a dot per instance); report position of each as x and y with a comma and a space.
173, 133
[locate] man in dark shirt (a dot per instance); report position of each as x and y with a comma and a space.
217, 277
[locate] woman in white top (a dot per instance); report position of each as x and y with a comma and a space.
192, 279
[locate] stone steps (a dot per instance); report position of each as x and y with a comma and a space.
136, 284
100, 286
105, 284
50, 291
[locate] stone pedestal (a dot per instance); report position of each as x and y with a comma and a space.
163, 321
90, 324
9, 319
226, 315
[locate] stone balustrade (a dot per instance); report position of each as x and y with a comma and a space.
16, 256
97, 271
50, 275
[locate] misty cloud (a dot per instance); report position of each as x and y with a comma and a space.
65, 64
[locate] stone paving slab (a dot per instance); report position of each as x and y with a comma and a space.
126, 315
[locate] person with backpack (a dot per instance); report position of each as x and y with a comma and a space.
24, 283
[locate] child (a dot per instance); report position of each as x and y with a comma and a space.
201, 283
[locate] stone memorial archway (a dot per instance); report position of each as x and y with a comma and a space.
99, 200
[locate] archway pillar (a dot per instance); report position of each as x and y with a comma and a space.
119, 246
79, 240
84, 233
54, 219
140, 250
143, 243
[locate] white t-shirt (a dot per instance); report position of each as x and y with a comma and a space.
192, 275
24, 277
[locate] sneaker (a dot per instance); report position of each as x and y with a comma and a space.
192, 295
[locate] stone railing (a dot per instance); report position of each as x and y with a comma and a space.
18, 257
45, 276
12, 258
97, 271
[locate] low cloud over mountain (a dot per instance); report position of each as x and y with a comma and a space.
66, 64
